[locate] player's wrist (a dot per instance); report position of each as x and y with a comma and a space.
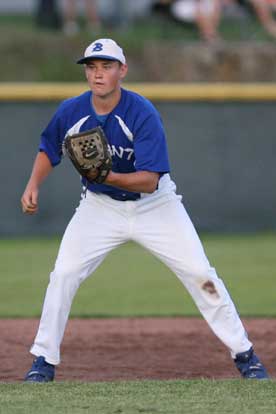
110, 179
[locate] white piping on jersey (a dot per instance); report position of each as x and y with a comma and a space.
75, 129
125, 129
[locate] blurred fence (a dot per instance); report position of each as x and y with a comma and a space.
222, 148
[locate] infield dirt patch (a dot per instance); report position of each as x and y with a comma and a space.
132, 349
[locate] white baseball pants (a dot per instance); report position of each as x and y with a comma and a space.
158, 222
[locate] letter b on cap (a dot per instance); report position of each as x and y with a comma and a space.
98, 47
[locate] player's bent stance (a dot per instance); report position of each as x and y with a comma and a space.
129, 203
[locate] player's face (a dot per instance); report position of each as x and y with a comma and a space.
104, 76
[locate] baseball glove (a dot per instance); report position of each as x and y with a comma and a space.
89, 153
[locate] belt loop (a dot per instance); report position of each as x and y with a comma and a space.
85, 189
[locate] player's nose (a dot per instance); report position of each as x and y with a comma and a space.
99, 73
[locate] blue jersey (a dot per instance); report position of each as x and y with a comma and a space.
133, 129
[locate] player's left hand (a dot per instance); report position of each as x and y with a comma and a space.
92, 175
89, 154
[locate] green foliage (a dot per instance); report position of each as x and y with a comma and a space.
131, 282
166, 397
34, 54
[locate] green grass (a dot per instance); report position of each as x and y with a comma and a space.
166, 397
131, 282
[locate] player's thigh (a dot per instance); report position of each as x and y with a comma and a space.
93, 231
168, 232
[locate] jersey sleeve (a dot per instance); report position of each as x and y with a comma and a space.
52, 138
150, 147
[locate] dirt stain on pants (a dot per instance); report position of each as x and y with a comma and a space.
210, 288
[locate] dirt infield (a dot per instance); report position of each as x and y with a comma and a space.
131, 349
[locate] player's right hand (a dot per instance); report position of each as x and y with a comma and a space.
29, 201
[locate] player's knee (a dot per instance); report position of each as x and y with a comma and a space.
66, 274
213, 290
207, 282
202, 271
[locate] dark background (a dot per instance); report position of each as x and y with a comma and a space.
222, 160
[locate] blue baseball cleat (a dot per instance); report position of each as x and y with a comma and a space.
41, 371
250, 366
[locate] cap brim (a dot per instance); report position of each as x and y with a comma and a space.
87, 58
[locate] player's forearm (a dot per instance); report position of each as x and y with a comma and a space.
139, 182
41, 169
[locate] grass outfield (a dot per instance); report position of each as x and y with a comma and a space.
131, 282
167, 397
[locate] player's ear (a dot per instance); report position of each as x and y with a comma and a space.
123, 70
85, 71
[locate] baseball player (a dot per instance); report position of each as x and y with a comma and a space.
129, 205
